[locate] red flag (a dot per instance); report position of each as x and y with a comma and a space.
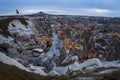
17, 12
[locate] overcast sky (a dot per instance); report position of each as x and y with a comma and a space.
74, 7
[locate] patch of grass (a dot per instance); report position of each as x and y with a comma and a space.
82, 75
115, 75
4, 27
111, 76
103, 68
22, 20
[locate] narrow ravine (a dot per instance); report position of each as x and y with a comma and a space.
54, 51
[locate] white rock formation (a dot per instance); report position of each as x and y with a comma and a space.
7, 60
